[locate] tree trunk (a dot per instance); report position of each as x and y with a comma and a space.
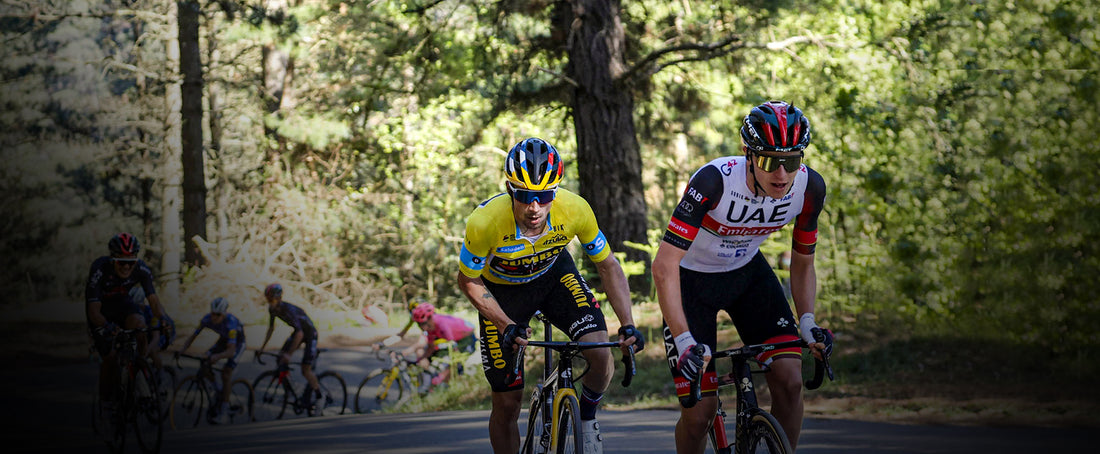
277, 73
608, 160
194, 181
171, 172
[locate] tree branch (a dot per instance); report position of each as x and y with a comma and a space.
705, 49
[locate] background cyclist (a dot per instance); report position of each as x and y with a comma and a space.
304, 334
710, 260
229, 346
109, 307
514, 262
440, 329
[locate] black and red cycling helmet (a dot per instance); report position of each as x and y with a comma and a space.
124, 245
777, 127
273, 290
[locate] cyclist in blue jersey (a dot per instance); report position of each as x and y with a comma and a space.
110, 307
710, 261
305, 334
229, 346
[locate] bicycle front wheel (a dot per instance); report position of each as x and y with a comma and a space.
381, 387
334, 394
148, 418
188, 402
538, 433
567, 429
271, 397
240, 402
166, 389
763, 435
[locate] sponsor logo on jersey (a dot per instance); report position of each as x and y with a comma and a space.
578, 288
727, 168
557, 238
511, 249
495, 358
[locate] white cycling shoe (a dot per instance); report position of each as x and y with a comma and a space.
593, 441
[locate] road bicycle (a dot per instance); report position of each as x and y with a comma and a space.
755, 430
554, 421
276, 392
202, 391
392, 384
140, 401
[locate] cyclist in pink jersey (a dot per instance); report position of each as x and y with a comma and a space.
440, 329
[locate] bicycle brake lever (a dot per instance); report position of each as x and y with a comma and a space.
629, 367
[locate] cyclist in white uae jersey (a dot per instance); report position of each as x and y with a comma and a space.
710, 260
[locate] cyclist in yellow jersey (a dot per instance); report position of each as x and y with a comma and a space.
514, 262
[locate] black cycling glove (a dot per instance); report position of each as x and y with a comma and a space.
825, 337
508, 338
629, 331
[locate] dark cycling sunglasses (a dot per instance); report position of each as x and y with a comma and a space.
124, 261
524, 196
771, 163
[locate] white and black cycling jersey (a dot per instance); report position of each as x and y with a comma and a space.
721, 223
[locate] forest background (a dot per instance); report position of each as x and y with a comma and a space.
337, 147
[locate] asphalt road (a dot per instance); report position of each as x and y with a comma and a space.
47, 409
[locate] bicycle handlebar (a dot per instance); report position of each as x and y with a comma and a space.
821, 367
628, 360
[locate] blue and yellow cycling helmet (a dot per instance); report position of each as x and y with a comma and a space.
534, 165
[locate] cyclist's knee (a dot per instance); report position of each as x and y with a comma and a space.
697, 418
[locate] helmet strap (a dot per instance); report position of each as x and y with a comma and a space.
756, 188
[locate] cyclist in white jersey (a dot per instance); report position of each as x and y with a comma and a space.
710, 261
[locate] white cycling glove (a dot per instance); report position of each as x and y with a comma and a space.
806, 324
690, 364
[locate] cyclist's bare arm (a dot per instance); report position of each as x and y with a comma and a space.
617, 289
95, 313
804, 290
478, 294
267, 337
666, 276
154, 303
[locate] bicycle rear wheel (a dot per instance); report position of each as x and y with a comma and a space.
381, 387
241, 401
334, 393
147, 416
271, 397
763, 435
568, 428
188, 402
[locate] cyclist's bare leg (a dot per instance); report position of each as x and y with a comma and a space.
785, 386
503, 421
227, 384
307, 372
154, 349
691, 429
136, 321
599, 359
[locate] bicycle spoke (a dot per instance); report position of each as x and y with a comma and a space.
381, 387
334, 394
241, 401
270, 397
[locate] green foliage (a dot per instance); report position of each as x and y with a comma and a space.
954, 138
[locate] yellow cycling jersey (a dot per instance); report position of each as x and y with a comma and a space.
495, 250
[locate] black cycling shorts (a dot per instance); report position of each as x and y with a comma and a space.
309, 346
753, 298
563, 297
